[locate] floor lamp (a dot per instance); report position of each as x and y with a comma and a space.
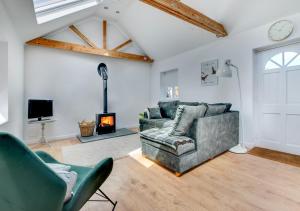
227, 73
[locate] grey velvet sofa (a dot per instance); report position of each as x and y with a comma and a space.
208, 137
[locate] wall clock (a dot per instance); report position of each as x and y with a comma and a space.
281, 30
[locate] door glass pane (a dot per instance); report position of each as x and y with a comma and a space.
278, 58
289, 56
295, 62
271, 65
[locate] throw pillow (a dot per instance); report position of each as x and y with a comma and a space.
154, 113
70, 178
215, 109
168, 109
185, 116
58, 167
177, 119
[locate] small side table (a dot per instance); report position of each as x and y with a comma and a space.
43, 123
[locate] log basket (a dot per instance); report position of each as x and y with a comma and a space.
87, 128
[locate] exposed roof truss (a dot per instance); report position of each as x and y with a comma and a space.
91, 47
186, 13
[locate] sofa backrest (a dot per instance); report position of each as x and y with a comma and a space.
168, 108
189, 103
215, 109
201, 125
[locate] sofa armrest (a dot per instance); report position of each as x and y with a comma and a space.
219, 129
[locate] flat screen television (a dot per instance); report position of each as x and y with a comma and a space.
37, 109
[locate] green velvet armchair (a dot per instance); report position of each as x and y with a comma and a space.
28, 184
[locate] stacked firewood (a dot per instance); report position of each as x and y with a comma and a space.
87, 128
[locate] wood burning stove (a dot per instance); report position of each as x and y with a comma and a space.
105, 122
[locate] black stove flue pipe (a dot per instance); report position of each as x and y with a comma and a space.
102, 71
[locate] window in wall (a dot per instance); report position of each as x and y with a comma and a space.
47, 10
284, 59
169, 88
3, 82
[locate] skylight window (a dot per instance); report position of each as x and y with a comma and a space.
47, 10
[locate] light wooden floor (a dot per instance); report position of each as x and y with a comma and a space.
228, 182
55, 147
282, 157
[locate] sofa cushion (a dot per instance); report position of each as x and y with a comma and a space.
154, 123
180, 151
215, 109
168, 109
154, 113
177, 145
185, 116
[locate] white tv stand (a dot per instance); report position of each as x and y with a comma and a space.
43, 123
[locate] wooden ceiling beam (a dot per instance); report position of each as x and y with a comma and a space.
104, 34
82, 36
87, 50
188, 14
122, 45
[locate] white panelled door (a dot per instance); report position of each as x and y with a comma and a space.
278, 96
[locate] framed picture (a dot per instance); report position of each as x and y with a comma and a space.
209, 73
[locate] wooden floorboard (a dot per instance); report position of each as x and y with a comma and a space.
276, 156
228, 182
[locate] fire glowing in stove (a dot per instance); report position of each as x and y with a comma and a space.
107, 121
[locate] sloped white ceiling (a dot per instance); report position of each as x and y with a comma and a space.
158, 33
23, 16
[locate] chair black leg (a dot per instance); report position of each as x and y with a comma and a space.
103, 195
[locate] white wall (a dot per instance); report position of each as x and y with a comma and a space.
3, 82
15, 77
239, 48
72, 81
